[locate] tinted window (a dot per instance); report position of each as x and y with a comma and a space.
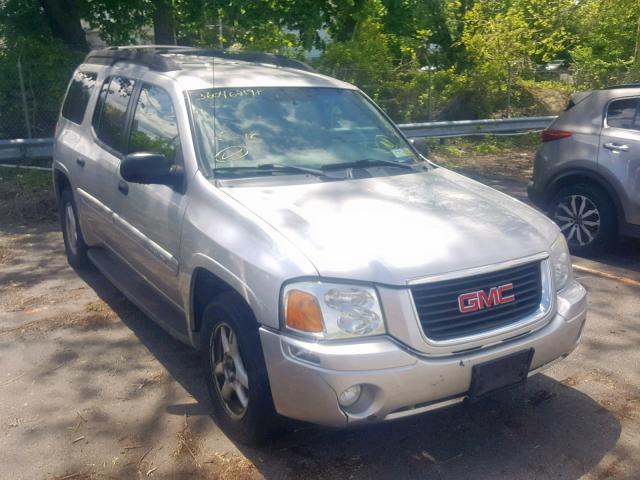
78, 96
110, 114
624, 114
155, 128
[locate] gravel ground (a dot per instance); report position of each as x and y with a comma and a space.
91, 389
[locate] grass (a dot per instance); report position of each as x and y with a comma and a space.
26, 196
510, 156
485, 145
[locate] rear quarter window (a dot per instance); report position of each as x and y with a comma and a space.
623, 113
80, 90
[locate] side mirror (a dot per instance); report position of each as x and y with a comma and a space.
421, 145
150, 168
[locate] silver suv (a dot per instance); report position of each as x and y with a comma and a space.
276, 220
586, 174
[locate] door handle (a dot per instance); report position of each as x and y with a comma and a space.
616, 146
80, 161
123, 187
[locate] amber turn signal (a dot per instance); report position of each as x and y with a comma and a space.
303, 312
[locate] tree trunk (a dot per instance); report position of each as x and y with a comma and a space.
348, 20
164, 30
64, 19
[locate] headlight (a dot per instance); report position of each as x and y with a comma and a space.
561, 262
330, 310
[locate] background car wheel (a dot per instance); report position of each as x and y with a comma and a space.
235, 371
74, 245
587, 218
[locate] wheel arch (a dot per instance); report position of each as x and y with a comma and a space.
61, 182
578, 176
206, 285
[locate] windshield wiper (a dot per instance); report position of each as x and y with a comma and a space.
291, 168
367, 162
271, 167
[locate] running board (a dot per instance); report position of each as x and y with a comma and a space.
137, 290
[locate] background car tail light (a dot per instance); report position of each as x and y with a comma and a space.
550, 135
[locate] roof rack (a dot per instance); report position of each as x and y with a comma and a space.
149, 56
154, 57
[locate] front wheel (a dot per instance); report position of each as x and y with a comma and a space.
587, 218
235, 371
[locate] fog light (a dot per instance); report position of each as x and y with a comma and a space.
350, 396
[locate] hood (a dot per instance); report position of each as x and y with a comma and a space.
394, 229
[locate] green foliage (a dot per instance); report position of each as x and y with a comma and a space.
119, 23
22, 179
485, 54
607, 38
46, 65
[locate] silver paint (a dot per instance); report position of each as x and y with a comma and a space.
385, 231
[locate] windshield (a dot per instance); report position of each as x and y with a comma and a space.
243, 129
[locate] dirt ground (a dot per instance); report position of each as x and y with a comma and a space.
90, 389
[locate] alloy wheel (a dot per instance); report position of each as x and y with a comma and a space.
70, 227
229, 372
579, 219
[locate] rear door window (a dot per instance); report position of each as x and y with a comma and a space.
111, 112
623, 113
155, 127
80, 91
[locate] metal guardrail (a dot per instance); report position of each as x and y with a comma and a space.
463, 128
21, 150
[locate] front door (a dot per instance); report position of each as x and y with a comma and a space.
619, 152
151, 215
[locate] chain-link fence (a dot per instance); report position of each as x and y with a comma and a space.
25, 112
32, 85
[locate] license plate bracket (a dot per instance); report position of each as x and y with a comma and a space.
501, 373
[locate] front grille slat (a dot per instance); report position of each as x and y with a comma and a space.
524, 287
475, 321
453, 308
524, 300
437, 303
467, 284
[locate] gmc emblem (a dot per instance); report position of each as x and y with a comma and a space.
474, 301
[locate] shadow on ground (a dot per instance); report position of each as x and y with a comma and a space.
547, 430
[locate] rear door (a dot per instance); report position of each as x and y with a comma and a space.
103, 160
619, 151
151, 215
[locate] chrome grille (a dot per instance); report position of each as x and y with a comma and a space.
438, 310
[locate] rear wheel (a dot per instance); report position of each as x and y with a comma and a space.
587, 218
74, 245
236, 373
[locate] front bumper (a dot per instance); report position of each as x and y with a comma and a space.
307, 377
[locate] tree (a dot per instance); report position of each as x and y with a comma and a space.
606, 37
163, 23
64, 19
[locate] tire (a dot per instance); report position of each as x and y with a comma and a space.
74, 245
254, 422
587, 218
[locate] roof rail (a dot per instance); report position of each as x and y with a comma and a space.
253, 57
153, 56
634, 84
145, 55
